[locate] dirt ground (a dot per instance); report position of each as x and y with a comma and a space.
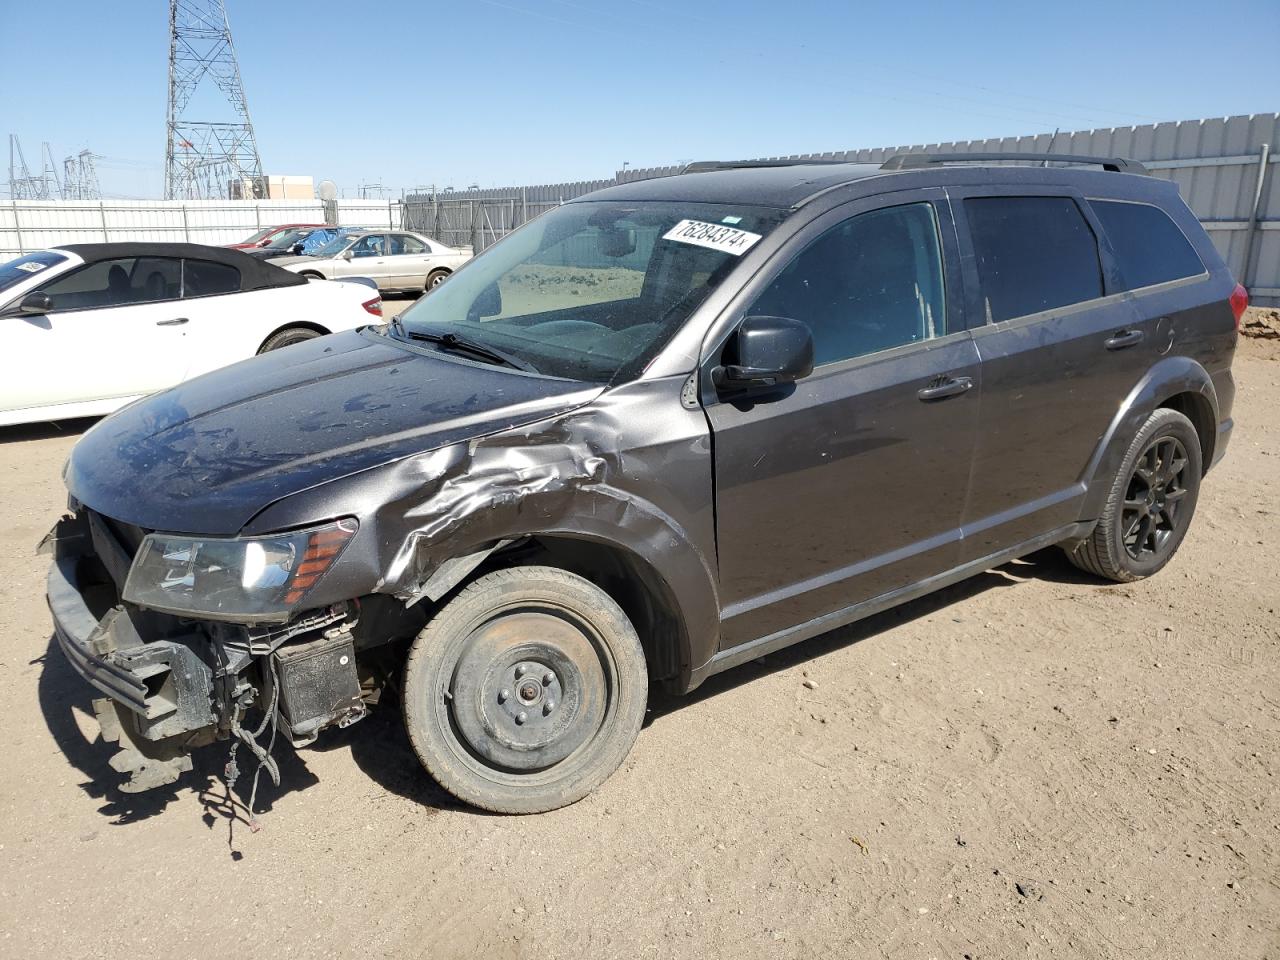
1031, 763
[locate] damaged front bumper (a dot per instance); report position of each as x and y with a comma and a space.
171, 684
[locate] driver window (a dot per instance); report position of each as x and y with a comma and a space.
115, 283
868, 284
371, 246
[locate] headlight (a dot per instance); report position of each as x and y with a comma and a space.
245, 579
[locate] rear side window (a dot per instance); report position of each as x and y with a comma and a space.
202, 278
1033, 254
1149, 246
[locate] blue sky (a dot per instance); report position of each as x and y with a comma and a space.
502, 92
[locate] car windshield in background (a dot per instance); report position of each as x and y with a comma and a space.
284, 241
24, 268
591, 290
255, 237
333, 247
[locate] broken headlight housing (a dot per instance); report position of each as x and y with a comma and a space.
242, 579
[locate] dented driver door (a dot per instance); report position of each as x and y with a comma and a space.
849, 484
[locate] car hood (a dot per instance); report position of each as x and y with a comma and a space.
285, 259
206, 456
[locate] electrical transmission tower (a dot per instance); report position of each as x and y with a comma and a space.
80, 178
24, 186
211, 158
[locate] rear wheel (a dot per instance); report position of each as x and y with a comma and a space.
1150, 504
435, 278
526, 691
289, 336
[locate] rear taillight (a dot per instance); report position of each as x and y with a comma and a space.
373, 306
1239, 301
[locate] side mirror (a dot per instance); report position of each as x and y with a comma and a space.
487, 304
347, 254
769, 351
36, 303
296, 249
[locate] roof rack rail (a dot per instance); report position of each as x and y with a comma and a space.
705, 166
915, 161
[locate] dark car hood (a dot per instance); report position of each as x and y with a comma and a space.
204, 457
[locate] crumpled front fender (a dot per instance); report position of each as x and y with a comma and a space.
631, 470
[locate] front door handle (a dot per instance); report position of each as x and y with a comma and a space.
1125, 338
176, 321
945, 387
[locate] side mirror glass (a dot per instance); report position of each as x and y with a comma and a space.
487, 304
769, 351
36, 303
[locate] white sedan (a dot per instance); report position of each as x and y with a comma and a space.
395, 259
87, 328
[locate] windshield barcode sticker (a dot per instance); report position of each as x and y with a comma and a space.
713, 236
32, 267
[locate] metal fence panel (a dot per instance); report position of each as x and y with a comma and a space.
1214, 162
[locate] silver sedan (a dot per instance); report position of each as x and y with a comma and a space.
395, 260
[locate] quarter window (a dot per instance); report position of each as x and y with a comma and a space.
203, 278
867, 284
1148, 245
1033, 254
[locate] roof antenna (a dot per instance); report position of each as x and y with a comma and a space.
1051, 142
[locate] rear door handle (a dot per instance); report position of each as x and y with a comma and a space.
176, 321
1125, 338
945, 387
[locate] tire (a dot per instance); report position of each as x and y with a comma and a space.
526, 691
1150, 504
311, 275
289, 336
434, 279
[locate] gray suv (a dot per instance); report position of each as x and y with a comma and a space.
655, 433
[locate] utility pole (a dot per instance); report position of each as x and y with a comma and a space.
207, 158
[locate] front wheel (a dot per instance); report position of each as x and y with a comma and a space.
287, 337
526, 691
435, 278
1150, 505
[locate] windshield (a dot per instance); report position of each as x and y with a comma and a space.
254, 238
592, 290
333, 247
24, 268
282, 241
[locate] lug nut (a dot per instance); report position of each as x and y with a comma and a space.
548, 707
548, 678
521, 671
504, 695
521, 717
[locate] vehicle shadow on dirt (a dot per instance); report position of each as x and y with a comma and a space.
23, 432
379, 744
1049, 564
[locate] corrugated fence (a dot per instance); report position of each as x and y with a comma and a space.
27, 225
1226, 169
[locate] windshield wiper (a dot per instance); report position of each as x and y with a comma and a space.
456, 344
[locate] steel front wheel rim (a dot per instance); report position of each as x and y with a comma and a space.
1152, 512
546, 662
